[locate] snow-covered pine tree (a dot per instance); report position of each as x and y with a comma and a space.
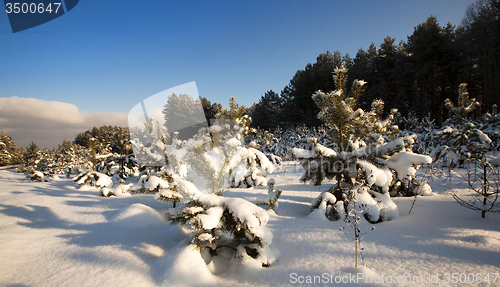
252, 171
338, 109
269, 200
10, 153
493, 117
149, 144
458, 144
235, 120
71, 158
93, 178
361, 162
219, 155
460, 139
31, 157
117, 166
265, 139
351, 129
213, 156
220, 224
465, 105
159, 161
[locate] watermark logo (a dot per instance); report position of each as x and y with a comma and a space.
24, 15
176, 112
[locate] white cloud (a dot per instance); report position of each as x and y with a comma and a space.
48, 123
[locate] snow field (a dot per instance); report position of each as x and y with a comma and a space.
55, 234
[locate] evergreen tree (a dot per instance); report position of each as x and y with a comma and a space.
461, 139
298, 107
10, 153
149, 144
433, 55
465, 105
362, 153
480, 42
266, 113
213, 155
108, 139
338, 109
234, 121
32, 155
220, 224
211, 110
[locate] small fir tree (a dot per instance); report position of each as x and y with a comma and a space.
271, 199
213, 157
465, 105
223, 223
362, 151
32, 155
10, 153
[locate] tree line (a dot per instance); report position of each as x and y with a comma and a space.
414, 76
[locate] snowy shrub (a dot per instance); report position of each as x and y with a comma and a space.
458, 144
93, 178
120, 190
234, 121
410, 122
150, 184
363, 167
252, 171
363, 144
271, 199
38, 176
169, 195
226, 223
149, 143
232, 127
405, 166
68, 158
491, 127
213, 158
217, 154
10, 153
465, 105
326, 205
123, 166
460, 139
160, 182
220, 223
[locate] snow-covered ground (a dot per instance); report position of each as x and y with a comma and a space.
54, 234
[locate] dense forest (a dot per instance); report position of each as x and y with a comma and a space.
414, 76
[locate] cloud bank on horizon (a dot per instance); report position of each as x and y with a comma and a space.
48, 123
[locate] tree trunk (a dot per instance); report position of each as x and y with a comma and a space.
485, 190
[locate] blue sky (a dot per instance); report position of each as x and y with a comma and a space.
108, 55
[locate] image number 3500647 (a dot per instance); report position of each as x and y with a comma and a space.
24, 15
